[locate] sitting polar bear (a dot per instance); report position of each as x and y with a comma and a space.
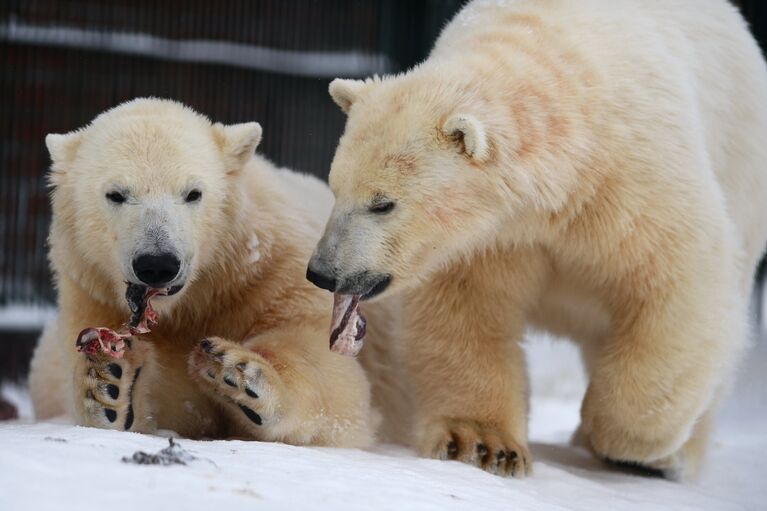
597, 169
154, 194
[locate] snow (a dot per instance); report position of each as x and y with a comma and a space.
25, 317
55, 465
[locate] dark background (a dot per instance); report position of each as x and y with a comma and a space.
64, 62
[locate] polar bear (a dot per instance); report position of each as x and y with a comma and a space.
153, 194
596, 169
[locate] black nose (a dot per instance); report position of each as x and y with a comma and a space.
156, 270
320, 279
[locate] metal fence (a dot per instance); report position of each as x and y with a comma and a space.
63, 62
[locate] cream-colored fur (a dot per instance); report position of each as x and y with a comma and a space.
592, 168
247, 242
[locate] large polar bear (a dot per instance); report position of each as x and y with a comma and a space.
597, 169
154, 194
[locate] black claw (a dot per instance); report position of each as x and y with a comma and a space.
129, 418
111, 414
249, 392
241, 367
211, 373
500, 456
113, 391
452, 449
206, 345
253, 416
229, 381
481, 450
513, 459
115, 370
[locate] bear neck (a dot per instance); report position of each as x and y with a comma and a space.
258, 269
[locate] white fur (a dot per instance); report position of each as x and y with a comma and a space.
616, 193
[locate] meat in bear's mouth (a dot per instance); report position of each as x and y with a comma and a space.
347, 328
96, 340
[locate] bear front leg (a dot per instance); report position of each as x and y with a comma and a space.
110, 392
287, 386
463, 358
656, 381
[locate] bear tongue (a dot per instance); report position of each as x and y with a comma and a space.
348, 326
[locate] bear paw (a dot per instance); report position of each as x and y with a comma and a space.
107, 391
476, 443
241, 379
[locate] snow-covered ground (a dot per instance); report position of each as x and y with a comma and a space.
25, 317
59, 466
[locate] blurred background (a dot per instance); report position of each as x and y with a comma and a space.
64, 62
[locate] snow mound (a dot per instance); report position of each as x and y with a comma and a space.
63, 467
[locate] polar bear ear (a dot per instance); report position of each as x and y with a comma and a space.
238, 142
63, 148
345, 92
470, 134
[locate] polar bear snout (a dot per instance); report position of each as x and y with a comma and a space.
321, 279
366, 284
156, 270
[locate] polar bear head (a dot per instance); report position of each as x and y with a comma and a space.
416, 182
141, 195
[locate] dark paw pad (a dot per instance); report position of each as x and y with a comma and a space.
113, 391
115, 370
250, 414
129, 418
110, 414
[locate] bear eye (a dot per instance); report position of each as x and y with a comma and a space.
116, 197
381, 208
193, 196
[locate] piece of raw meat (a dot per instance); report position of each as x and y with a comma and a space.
347, 328
95, 340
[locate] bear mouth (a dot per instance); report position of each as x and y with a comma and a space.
378, 288
348, 326
142, 313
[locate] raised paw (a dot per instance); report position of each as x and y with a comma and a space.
239, 378
107, 392
476, 443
